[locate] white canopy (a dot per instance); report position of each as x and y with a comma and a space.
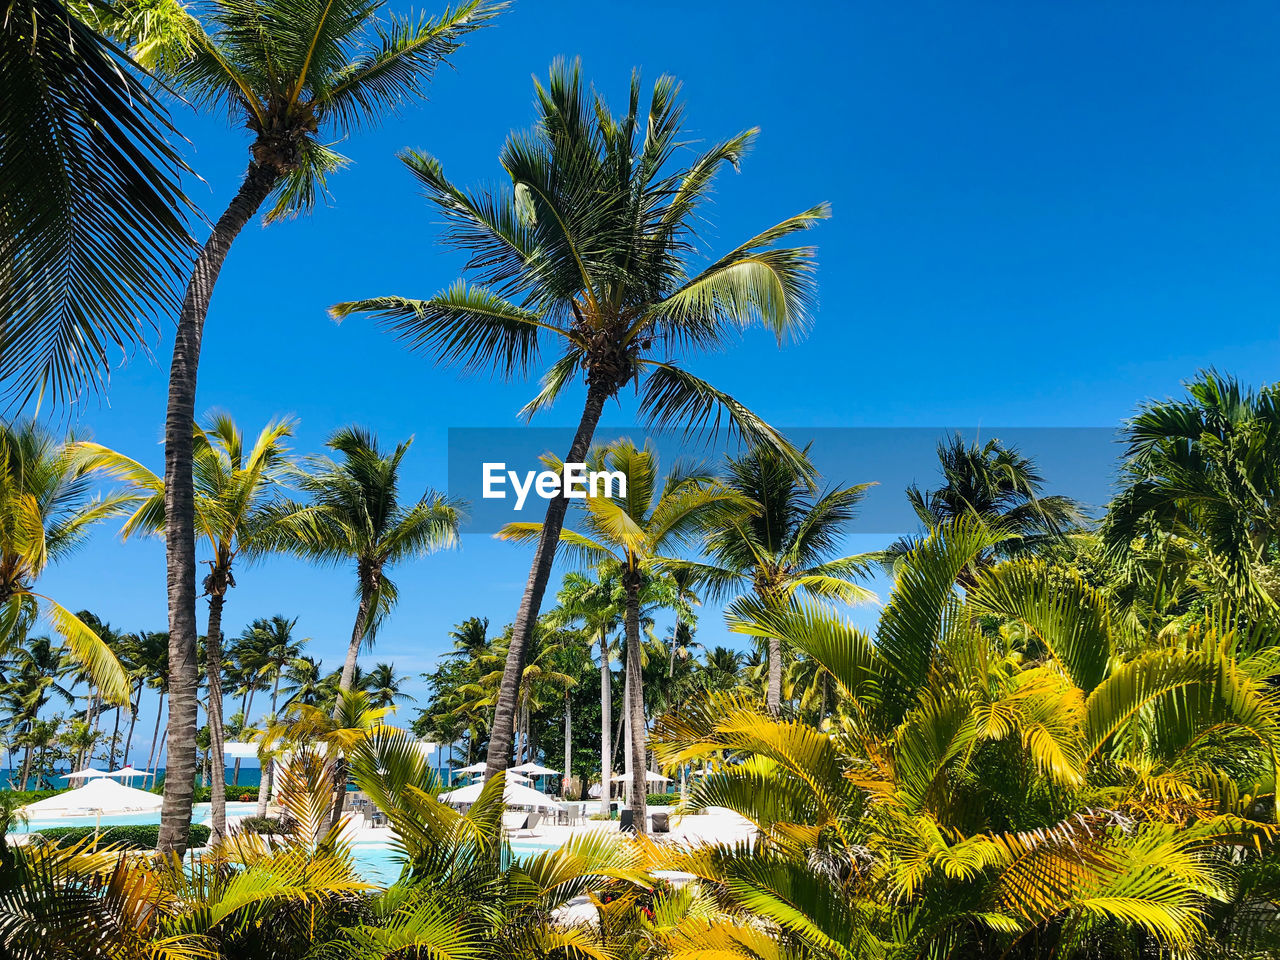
240, 751
535, 770
648, 775
128, 773
100, 795
84, 774
513, 795
477, 767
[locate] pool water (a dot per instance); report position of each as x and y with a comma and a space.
377, 861
200, 815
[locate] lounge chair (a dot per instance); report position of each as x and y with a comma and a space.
626, 820
514, 820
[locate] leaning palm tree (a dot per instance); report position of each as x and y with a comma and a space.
234, 485
590, 253
92, 232
287, 71
357, 516
634, 529
781, 538
46, 511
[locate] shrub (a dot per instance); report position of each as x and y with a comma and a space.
663, 799
133, 836
272, 825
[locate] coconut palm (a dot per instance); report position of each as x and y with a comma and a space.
357, 516
1202, 474
92, 232
35, 674
302, 682
635, 529
1001, 486
783, 536
590, 253
291, 74
46, 512
596, 603
383, 685
234, 484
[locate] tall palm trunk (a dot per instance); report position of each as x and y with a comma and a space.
246, 704
773, 689
265, 784
568, 745
155, 738
217, 734
499, 755
115, 739
606, 719
133, 719
369, 579
368, 585
635, 707
179, 505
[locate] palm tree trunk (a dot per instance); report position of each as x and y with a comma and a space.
217, 757
635, 708
264, 786
606, 720
499, 756
155, 737
773, 691
115, 738
179, 506
568, 745
363, 611
133, 719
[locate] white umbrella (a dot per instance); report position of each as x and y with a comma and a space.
648, 775
128, 773
535, 770
477, 767
101, 795
513, 795
84, 774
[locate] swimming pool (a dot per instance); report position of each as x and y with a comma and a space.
200, 814
377, 861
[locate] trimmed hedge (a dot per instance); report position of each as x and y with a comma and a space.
133, 836
205, 794
663, 799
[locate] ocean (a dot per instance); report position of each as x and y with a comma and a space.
249, 777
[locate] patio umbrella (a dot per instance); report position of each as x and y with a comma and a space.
84, 774
101, 795
513, 795
648, 775
535, 770
477, 767
128, 773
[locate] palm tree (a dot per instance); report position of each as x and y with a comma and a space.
590, 252
356, 515
92, 233
1202, 473
46, 513
287, 72
960, 768
149, 654
598, 605
633, 529
34, 675
1003, 488
781, 537
234, 485
276, 651
157, 677
383, 686
302, 676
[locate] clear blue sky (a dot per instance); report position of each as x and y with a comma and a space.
1043, 213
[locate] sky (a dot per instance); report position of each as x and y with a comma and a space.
1043, 214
